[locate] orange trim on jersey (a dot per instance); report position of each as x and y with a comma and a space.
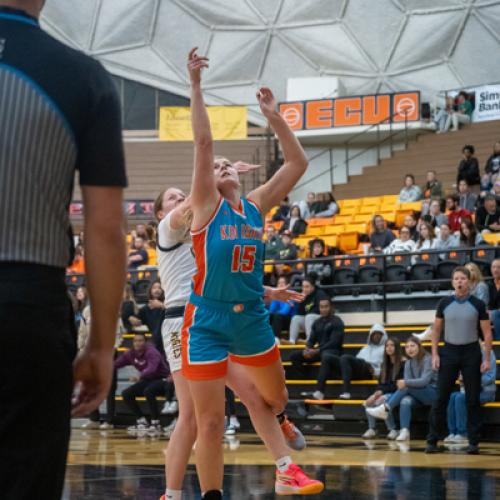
208, 371
240, 210
257, 206
212, 217
264, 359
199, 249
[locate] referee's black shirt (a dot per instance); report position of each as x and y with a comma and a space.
58, 112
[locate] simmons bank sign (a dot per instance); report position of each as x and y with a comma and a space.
352, 111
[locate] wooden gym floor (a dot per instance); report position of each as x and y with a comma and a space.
114, 465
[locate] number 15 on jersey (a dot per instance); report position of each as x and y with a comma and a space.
243, 258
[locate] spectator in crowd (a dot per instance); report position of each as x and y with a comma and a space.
457, 409
154, 380
494, 295
468, 168
308, 310
366, 364
308, 207
446, 239
283, 210
273, 244
381, 237
82, 301
442, 118
391, 371
403, 244
129, 307
469, 237
138, 256
477, 287
324, 344
95, 419
466, 199
410, 191
492, 168
462, 317
432, 189
280, 313
495, 191
295, 223
463, 113
141, 232
78, 264
322, 270
416, 389
488, 216
288, 251
327, 207
455, 214
435, 216
427, 238
411, 222
152, 314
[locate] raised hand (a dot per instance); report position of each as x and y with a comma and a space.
243, 167
195, 64
267, 102
283, 294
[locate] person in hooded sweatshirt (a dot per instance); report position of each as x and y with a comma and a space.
154, 379
417, 388
366, 364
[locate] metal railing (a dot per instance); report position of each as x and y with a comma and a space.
347, 144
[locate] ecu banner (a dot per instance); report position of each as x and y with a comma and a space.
227, 122
352, 111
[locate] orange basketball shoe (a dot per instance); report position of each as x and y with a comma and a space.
294, 481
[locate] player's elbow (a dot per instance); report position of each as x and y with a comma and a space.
204, 142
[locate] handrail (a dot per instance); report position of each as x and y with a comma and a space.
385, 121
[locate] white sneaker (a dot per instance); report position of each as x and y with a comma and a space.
170, 428
459, 439
155, 429
105, 426
379, 411
90, 424
393, 435
449, 439
318, 395
345, 395
230, 430
170, 408
370, 434
234, 422
404, 435
140, 426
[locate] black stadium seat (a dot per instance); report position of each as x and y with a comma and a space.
141, 290
344, 276
422, 271
369, 274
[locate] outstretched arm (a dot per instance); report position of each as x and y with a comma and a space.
204, 194
282, 182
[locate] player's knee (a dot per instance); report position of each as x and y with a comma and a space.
211, 426
278, 402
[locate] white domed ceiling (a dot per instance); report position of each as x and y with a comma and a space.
371, 45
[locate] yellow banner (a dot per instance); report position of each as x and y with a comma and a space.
228, 123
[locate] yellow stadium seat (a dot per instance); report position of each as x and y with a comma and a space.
350, 203
342, 219
348, 210
362, 218
334, 230
413, 205
151, 256
331, 241
348, 242
315, 230
369, 210
357, 228
400, 216
389, 216
491, 238
390, 199
323, 221
389, 207
371, 201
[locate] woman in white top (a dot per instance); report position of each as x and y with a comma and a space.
403, 244
427, 239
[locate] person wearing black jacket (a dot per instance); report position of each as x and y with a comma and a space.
488, 216
295, 223
308, 310
324, 344
283, 210
492, 168
468, 168
391, 371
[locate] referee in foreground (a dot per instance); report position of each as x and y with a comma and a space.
463, 317
58, 113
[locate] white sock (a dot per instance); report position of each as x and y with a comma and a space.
233, 420
173, 494
283, 463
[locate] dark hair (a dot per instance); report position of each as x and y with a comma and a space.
158, 203
411, 176
421, 350
293, 208
470, 240
141, 334
404, 227
313, 242
153, 283
470, 148
461, 269
464, 94
375, 217
464, 180
413, 215
490, 197
454, 197
310, 279
389, 371
432, 234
